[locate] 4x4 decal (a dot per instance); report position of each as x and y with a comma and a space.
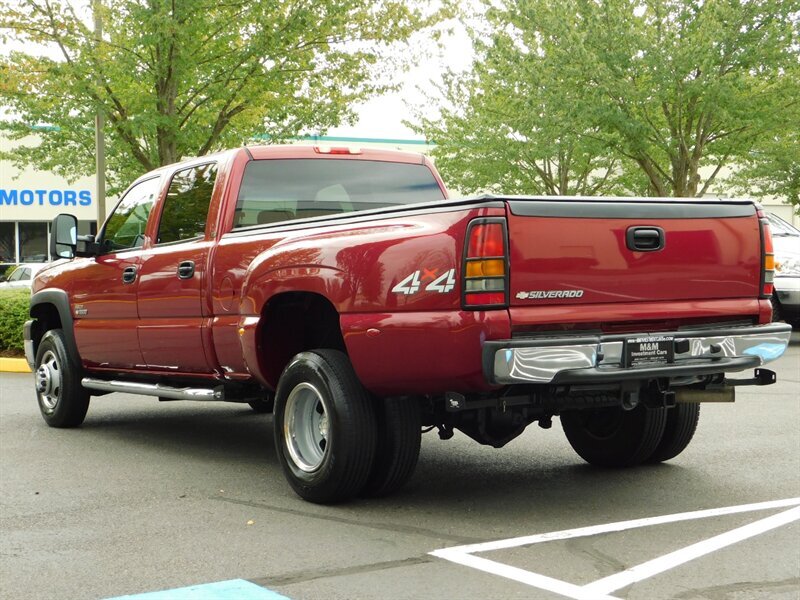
441, 284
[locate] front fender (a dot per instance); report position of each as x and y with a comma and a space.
60, 301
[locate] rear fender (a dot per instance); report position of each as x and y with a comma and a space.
290, 269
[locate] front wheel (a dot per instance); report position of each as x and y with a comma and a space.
325, 427
63, 401
612, 436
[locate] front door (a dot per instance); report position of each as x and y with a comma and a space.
104, 304
172, 283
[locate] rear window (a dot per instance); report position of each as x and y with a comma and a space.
280, 190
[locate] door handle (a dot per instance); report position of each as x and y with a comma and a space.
645, 239
129, 275
186, 269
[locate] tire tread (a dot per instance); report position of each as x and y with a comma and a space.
681, 424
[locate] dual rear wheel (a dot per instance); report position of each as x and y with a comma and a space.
614, 437
333, 440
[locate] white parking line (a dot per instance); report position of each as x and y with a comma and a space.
464, 555
684, 555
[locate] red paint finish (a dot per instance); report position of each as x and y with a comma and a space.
702, 259
422, 352
659, 315
104, 309
171, 309
395, 280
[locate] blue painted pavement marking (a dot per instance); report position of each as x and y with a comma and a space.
235, 589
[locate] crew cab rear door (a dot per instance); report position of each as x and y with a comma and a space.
171, 294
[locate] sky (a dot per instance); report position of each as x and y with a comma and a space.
383, 117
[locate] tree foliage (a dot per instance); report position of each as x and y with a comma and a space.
772, 169
657, 96
178, 78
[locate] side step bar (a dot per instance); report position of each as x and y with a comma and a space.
154, 389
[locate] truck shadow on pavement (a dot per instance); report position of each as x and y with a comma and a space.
220, 432
535, 475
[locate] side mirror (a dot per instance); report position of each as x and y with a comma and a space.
64, 236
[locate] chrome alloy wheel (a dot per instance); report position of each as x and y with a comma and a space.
48, 380
306, 428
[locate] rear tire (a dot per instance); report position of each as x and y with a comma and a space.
324, 427
678, 432
399, 437
63, 401
613, 437
777, 313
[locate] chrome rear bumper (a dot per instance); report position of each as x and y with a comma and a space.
600, 358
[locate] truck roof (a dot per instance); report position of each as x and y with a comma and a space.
322, 150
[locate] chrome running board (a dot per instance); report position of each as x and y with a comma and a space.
154, 389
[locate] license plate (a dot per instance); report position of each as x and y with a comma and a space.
649, 350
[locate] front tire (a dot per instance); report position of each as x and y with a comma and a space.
63, 401
325, 427
678, 432
612, 436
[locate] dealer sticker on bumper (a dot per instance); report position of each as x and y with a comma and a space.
649, 350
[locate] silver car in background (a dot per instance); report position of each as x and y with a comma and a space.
786, 244
22, 276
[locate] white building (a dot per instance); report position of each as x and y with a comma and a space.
29, 200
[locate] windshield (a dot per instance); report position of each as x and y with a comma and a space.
778, 226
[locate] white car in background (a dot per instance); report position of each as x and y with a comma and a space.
22, 276
786, 244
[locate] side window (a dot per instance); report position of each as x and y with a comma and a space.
186, 205
124, 230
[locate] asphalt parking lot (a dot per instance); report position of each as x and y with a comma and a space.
150, 496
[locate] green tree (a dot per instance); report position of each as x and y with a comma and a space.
178, 78
511, 124
671, 91
773, 166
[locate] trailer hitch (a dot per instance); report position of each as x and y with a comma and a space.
761, 377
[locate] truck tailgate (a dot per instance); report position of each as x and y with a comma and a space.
596, 251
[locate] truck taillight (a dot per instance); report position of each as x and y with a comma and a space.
337, 150
485, 270
768, 258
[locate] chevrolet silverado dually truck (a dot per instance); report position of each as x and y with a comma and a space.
344, 291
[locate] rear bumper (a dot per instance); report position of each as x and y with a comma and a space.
600, 358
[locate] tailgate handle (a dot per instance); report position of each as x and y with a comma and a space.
645, 239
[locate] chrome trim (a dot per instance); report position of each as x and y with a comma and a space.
29, 354
27, 344
153, 389
541, 360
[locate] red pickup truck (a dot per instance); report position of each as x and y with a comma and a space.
342, 290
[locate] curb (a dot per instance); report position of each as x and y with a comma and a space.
14, 365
